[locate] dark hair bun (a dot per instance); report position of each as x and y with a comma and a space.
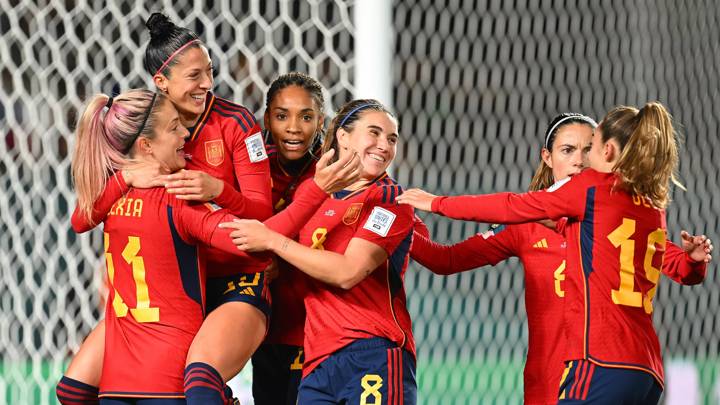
159, 25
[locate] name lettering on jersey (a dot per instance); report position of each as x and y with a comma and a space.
641, 200
352, 213
380, 221
214, 152
557, 185
542, 243
127, 207
256, 148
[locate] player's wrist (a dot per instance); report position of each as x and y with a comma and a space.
278, 242
218, 186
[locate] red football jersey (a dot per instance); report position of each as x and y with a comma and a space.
542, 252
227, 144
156, 300
615, 252
288, 289
375, 307
157, 277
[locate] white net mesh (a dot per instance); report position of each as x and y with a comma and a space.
56, 54
474, 84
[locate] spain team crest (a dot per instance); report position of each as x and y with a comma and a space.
352, 213
214, 152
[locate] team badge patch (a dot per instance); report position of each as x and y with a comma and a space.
380, 221
214, 152
256, 148
352, 213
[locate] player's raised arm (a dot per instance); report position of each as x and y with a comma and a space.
687, 265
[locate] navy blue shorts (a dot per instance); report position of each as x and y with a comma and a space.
368, 372
142, 401
584, 382
249, 288
277, 370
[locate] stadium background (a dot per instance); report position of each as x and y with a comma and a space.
474, 84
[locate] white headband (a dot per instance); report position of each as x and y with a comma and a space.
583, 118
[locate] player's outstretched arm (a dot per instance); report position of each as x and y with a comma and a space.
476, 251
687, 265
340, 270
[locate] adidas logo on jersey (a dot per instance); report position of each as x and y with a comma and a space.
542, 243
247, 291
329, 213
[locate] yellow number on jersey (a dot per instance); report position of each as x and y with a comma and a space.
371, 384
559, 276
142, 312
297, 363
626, 294
318, 238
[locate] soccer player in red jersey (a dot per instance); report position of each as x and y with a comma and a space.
616, 242
359, 346
543, 254
225, 141
294, 123
156, 302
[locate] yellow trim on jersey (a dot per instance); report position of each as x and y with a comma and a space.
564, 376
392, 309
200, 123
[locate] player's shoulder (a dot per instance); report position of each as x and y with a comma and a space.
384, 191
233, 114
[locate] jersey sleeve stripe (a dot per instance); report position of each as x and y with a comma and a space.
235, 117
187, 260
247, 115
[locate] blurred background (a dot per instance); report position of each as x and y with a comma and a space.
474, 84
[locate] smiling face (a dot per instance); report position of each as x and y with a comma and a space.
293, 120
374, 138
167, 144
570, 150
188, 83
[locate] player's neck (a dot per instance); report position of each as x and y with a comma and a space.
294, 167
188, 120
364, 181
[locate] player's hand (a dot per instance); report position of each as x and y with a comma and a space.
145, 174
193, 185
339, 175
417, 198
272, 271
697, 247
251, 235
